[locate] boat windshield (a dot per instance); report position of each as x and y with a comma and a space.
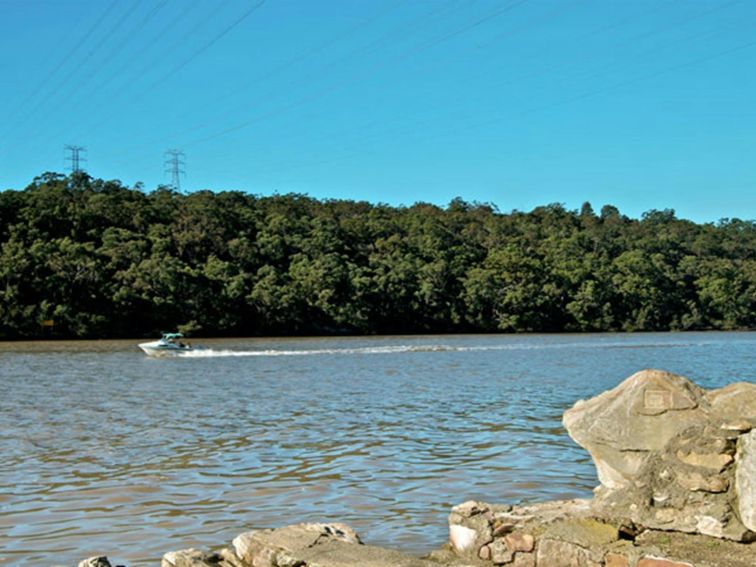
172, 336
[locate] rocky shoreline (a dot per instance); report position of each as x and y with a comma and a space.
677, 467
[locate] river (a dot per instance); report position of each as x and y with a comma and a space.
106, 451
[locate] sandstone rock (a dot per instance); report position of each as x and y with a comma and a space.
585, 532
229, 558
500, 553
520, 542
96, 561
620, 427
338, 553
615, 560
664, 450
745, 480
471, 508
698, 482
650, 561
315, 545
502, 527
190, 558
524, 560
715, 462
739, 426
555, 553
271, 548
471, 527
734, 405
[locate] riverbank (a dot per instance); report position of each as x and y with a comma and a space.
676, 463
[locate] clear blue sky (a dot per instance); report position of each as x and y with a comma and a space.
638, 103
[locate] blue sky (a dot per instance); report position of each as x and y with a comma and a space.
641, 104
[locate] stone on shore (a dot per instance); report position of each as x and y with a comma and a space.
193, 558
745, 479
96, 561
270, 547
300, 545
665, 452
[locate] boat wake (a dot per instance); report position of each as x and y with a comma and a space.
430, 348
206, 353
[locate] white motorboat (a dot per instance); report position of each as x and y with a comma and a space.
169, 345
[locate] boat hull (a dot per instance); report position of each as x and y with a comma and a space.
159, 349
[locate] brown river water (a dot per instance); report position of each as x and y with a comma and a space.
106, 451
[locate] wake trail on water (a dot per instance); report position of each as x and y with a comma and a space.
205, 353
439, 348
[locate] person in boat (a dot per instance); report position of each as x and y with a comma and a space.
174, 339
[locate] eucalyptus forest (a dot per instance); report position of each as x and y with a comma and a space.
86, 257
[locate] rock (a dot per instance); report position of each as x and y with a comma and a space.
697, 482
269, 548
190, 558
520, 542
585, 532
555, 553
615, 560
664, 450
524, 560
316, 545
734, 405
229, 558
470, 527
745, 480
739, 426
96, 561
650, 561
471, 508
337, 553
462, 538
714, 462
619, 427
500, 553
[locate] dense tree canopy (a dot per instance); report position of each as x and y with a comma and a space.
103, 260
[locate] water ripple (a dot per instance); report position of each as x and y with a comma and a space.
106, 451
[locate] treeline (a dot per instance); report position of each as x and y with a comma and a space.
97, 259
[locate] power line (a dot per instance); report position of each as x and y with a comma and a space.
570, 99
210, 43
407, 54
118, 48
68, 77
196, 53
66, 58
139, 55
308, 79
436, 40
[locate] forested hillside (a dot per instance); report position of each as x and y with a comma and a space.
98, 259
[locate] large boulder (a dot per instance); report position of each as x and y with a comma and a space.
672, 456
622, 427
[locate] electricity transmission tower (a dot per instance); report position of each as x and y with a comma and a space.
174, 164
75, 157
